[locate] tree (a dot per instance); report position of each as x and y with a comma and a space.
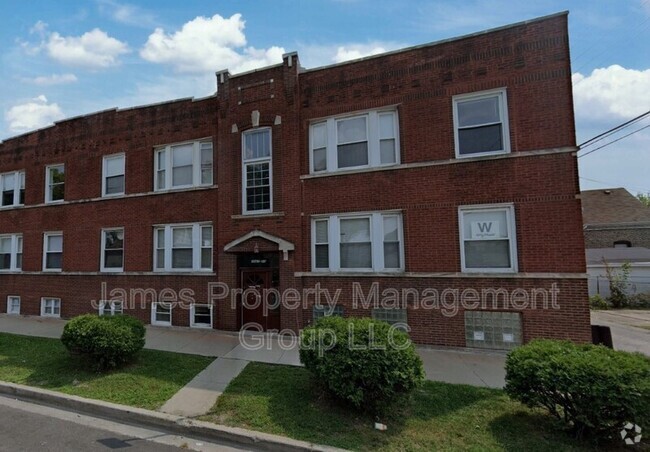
644, 198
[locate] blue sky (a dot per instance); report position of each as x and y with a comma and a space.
66, 58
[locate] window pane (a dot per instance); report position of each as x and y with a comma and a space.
5, 245
8, 182
485, 225
322, 256
206, 257
391, 229
206, 163
319, 135
163, 313
355, 154
160, 180
55, 243
355, 230
182, 237
480, 139
258, 191
5, 253
320, 159
113, 258
160, 234
321, 231
114, 239
386, 125
161, 160
182, 258
160, 258
182, 176
356, 255
114, 185
182, 164
351, 130
206, 236
114, 166
387, 151
479, 111
257, 144
391, 255
53, 260
487, 254
57, 192
202, 315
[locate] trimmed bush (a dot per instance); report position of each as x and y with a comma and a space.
363, 362
592, 389
107, 341
597, 302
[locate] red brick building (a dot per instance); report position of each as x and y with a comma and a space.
435, 185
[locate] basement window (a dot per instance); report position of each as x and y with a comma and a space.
494, 330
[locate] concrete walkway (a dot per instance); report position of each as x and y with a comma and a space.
630, 328
235, 351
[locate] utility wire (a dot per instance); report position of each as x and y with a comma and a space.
603, 135
611, 184
612, 142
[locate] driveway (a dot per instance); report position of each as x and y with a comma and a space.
627, 325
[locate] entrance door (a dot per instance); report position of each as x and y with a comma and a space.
253, 303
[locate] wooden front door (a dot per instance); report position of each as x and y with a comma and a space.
253, 305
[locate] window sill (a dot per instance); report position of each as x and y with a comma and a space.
257, 215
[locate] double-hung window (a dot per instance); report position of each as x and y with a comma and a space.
358, 242
487, 238
50, 307
161, 314
13, 189
183, 247
52, 251
54, 183
112, 259
183, 165
111, 308
364, 140
257, 172
13, 304
481, 124
113, 175
11, 252
201, 316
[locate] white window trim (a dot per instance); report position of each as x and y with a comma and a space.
18, 177
245, 162
372, 136
509, 209
196, 247
201, 325
105, 174
155, 322
503, 113
111, 304
376, 242
103, 268
13, 252
45, 237
9, 311
196, 165
48, 197
43, 302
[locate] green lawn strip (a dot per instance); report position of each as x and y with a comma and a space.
148, 382
283, 400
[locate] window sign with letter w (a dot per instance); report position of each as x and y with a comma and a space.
485, 229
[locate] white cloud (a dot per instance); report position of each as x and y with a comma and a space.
33, 114
54, 79
208, 44
354, 51
94, 49
612, 91
127, 14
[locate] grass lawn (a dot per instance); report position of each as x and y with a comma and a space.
148, 382
283, 400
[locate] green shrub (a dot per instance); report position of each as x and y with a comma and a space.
598, 302
107, 341
592, 389
363, 362
639, 301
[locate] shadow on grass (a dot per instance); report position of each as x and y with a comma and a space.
285, 400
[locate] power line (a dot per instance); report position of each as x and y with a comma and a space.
611, 184
614, 129
612, 142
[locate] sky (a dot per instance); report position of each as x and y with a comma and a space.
65, 58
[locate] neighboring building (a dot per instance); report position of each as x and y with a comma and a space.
444, 169
617, 230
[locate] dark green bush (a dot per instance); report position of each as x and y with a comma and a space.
363, 362
107, 341
592, 389
598, 302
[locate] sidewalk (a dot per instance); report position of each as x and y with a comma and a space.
459, 366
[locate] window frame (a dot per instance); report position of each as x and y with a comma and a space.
373, 138
509, 210
193, 323
376, 242
102, 258
46, 236
245, 162
154, 309
105, 175
112, 310
19, 184
14, 252
56, 302
10, 311
197, 167
48, 182
197, 247
501, 94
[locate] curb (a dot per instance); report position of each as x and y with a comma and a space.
168, 422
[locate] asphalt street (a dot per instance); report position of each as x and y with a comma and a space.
30, 427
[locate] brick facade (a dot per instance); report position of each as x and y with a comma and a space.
538, 177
